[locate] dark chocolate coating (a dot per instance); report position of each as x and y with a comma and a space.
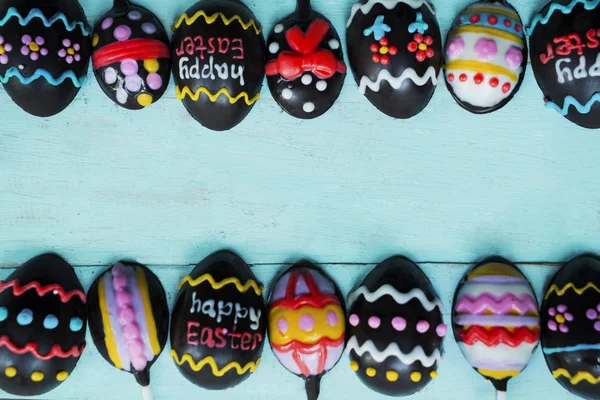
311, 96
403, 275
409, 99
581, 22
160, 312
46, 269
225, 346
40, 97
211, 56
579, 272
143, 24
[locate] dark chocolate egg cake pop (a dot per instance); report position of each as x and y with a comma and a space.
396, 329
131, 56
42, 326
564, 40
571, 326
395, 52
305, 63
496, 321
129, 319
218, 62
307, 323
486, 56
35, 38
219, 322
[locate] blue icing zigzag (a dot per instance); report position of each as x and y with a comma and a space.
577, 347
539, 19
42, 73
571, 101
37, 13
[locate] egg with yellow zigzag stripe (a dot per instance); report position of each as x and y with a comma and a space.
218, 53
571, 326
218, 323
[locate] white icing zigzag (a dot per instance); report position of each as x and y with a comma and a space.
400, 298
417, 354
389, 4
396, 82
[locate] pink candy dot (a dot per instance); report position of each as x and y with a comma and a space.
148, 28
130, 331
135, 347
283, 325
306, 323
126, 315
591, 314
107, 23
561, 308
129, 67
374, 322
514, 58
422, 326
354, 320
122, 32
441, 330
598, 307
139, 363
597, 326
123, 299
563, 328
455, 47
551, 311
552, 325
569, 317
332, 318
399, 324
486, 49
154, 81
39, 40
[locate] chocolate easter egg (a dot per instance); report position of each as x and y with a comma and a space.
131, 55
129, 318
496, 321
396, 329
571, 326
219, 322
305, 63
395, 52
486, 56
564, 40
218, 62
307, 323
35, 38
42, 326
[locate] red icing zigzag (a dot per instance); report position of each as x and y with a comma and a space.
499, 335
55, 351
18, 290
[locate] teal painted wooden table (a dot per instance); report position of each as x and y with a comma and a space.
98, 183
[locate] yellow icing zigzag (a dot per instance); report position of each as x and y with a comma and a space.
186, 91
560, 292
212, 18
197, 366
579, 376
243, 288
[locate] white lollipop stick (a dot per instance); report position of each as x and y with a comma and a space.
146, 393
500, 395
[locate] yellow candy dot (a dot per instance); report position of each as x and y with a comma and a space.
144, 99
11, 372
37, 376
422, 46
151, 65
433, 374
391, 376
34, 46
371, 372
560, 319
70, 51
2, 51
95, 40
353, 365
384, 50
415, 376
62, 375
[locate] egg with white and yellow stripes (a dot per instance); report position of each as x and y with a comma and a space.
486, 56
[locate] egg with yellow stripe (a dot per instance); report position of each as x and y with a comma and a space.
486, 56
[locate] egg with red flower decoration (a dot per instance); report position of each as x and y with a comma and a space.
307, 323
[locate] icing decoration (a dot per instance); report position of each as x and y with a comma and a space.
496, 321
34, 343
577, 347
129, 315
555, 290
398, 54
76, 324
313, 339
218, 49
219, 320
41, 73
136, 49
305, 49
404, 350
487, 55
36, 13
577, 378
572, 101
544, 17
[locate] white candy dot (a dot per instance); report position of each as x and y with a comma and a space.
306, 79
274, 47
321, 86
334, 44
308, 107
278, 28
286, 94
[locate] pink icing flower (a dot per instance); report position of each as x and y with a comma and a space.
592, 315
4, 48
560, 316
70, 51
486, 49
455, 47
514, 57
33, 48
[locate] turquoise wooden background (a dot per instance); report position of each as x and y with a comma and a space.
98, 183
